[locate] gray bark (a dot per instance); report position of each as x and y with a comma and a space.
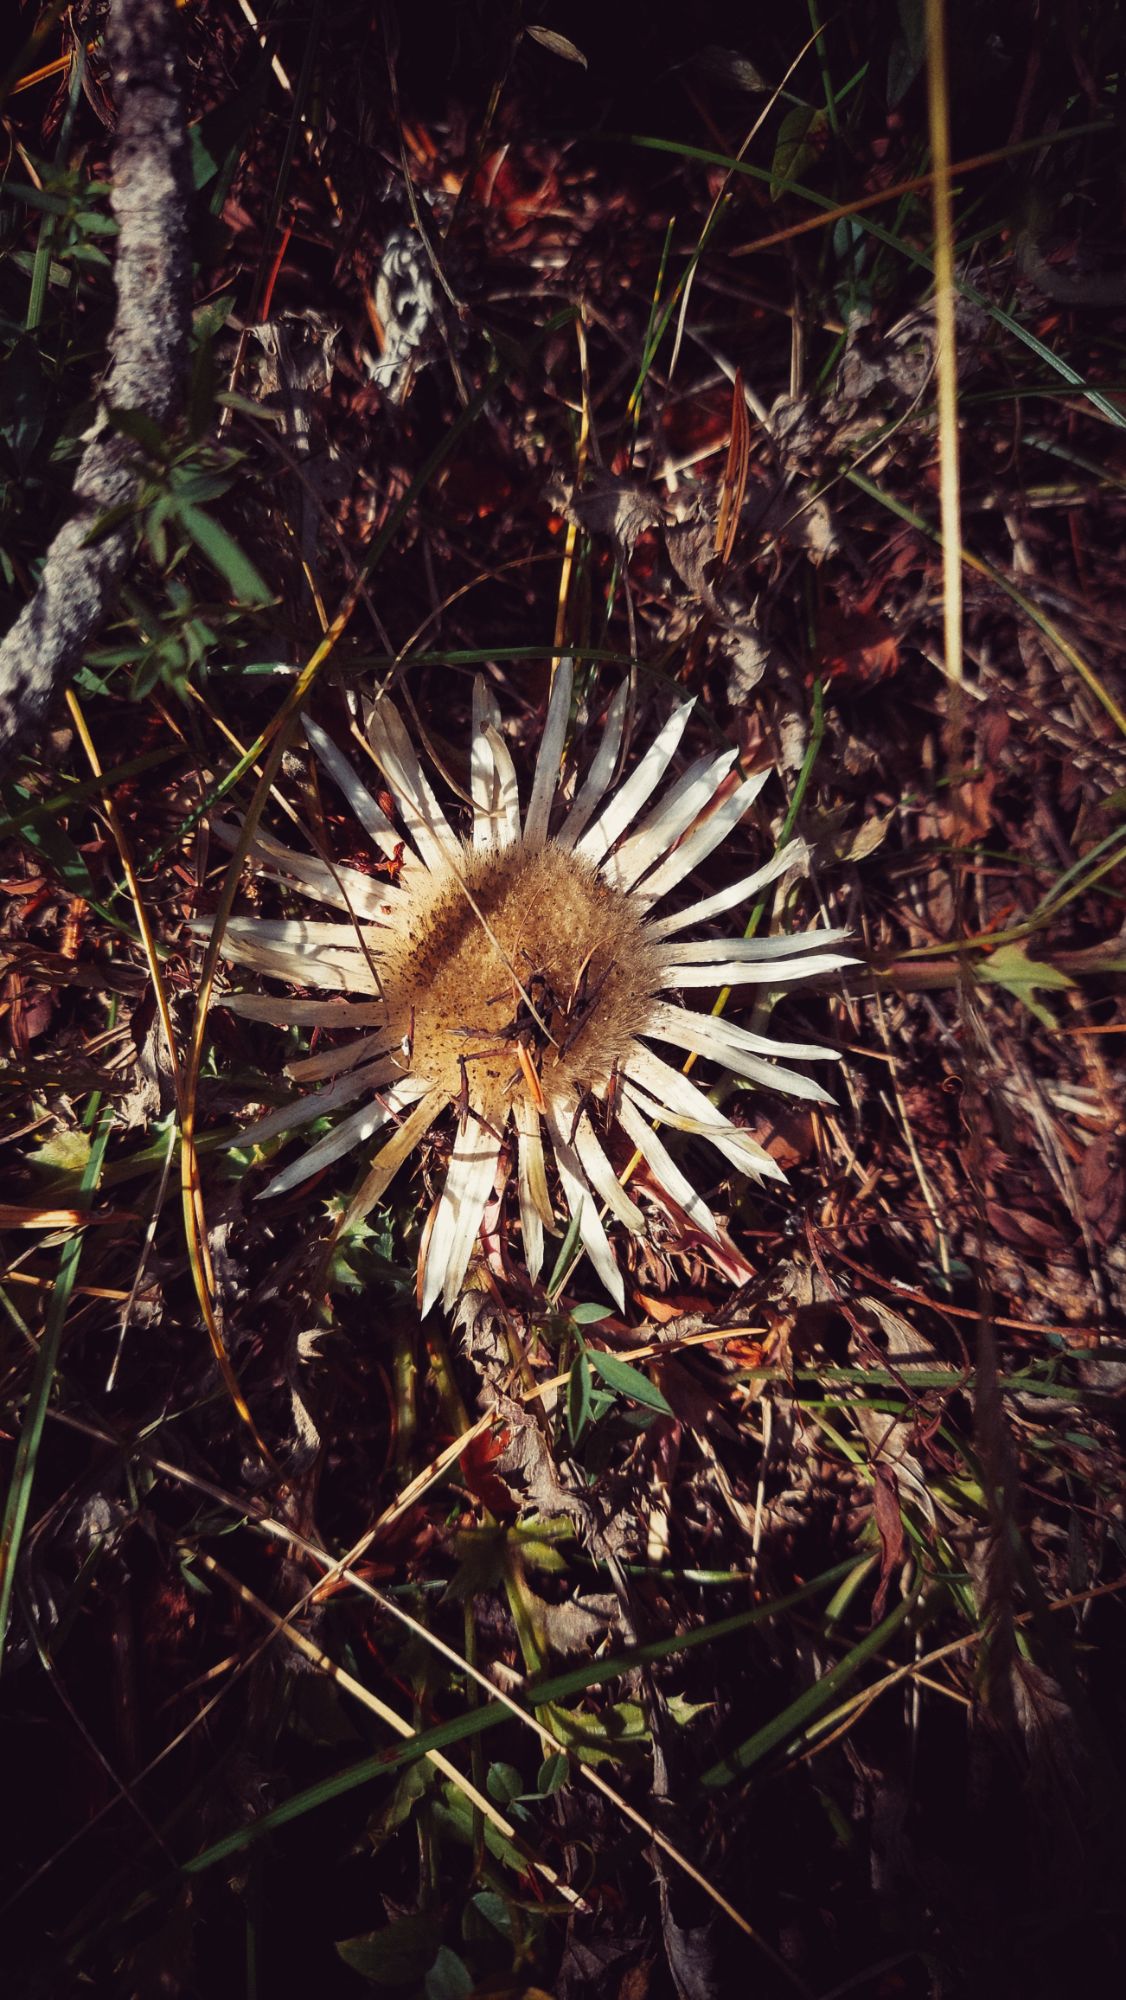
149, 350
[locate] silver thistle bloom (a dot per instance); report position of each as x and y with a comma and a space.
520, 976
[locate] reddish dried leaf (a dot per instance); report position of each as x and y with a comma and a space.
30, 1012
1022, 1230
475, 1466
787, 1133
673, 1307
857, 647
1102, 1186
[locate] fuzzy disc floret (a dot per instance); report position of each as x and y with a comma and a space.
526, 950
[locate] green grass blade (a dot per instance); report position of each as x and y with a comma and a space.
27, 1451
783, 1727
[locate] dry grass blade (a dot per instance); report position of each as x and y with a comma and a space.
734, 485
945, 297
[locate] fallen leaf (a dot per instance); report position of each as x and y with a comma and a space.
858, 647
867, 838
1022, 1230
1102, 1186
621, 508
476, 1468
673, 1307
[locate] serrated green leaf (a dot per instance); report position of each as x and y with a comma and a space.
540, 1554
684, 1711
612, 1736
1010, 966
591, 1315
65, 1152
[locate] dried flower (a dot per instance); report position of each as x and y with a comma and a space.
520, 977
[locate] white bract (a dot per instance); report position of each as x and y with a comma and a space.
520, 977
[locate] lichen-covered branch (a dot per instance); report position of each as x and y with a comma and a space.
149, 347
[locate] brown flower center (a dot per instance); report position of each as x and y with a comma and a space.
536, 964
